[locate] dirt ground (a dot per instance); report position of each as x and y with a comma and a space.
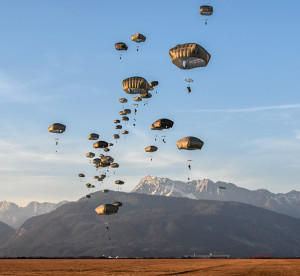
90, 267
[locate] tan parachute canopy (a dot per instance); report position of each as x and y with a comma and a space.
127, 111
206, 10
114, 165
123, 100
107, 159
81, 175
135, 85
147, 95
117, 121
138, 38
151, 149
95, 177
93, 136
107, 209
118, 203
116, 136
105, 191
162, 124
118, 127
100, 144
125, 132
121, 46
119, 182
110, 144
96, 161
122, 112
102, 165
87, 196
102, 176
189, 56
137, 99
57, 128
153, 83
125, 118
90, 155
106, 149
88, 185
190, 143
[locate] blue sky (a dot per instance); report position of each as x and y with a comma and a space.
58, 64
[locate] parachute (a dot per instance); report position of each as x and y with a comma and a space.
105, 191
114, 165
190, 143
118, 127
135, 85
189, 56
118, 203
87, 196
121, 46
107, 209
125, 118
117, 121
206, 11
162, 124
116, 136
88, 185
81, 175
101, 176
96, 177
110, 144
153, 83
222, 187
151, 149
123, 100
127, 111
125, 132
146, 95
100, 144
107, 159
138, 38
93, 136
119, 182
90, 155
137, 99
106, 149
96, 160
57, 128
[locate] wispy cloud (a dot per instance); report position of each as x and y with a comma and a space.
247, 109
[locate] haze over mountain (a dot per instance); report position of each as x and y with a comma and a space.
155, 226
15, 216
288, 203
6, 232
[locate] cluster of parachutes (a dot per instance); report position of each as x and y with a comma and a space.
184, 56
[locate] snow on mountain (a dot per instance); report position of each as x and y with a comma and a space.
15, 216
288, 203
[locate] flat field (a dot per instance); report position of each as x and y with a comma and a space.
90, 267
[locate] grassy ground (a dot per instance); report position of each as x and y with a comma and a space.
90, 267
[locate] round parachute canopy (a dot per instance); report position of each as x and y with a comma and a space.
57, 128
92, 186
189, 56
138, 38
125, 118
118, 127
190, 143
206, 10
93, 136
135, 85
101, 176
87, 196
122, 113
137, 99
119, 182
106, 209
121, 46
101, 155
116, 136
153, 83
151, 149
100, 144
125, 132
155, 128
102, 165
90, 155
146, 95
96, 161
106, 149
110, 144
81, 175
189, 80
117, 121
127, 111
88, 185
163, 124
105, 191
123, 100
118, 203
107, 159
114, 165
96, 177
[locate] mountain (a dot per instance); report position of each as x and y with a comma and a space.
6, 232
288, 204
15, 216
155, 226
